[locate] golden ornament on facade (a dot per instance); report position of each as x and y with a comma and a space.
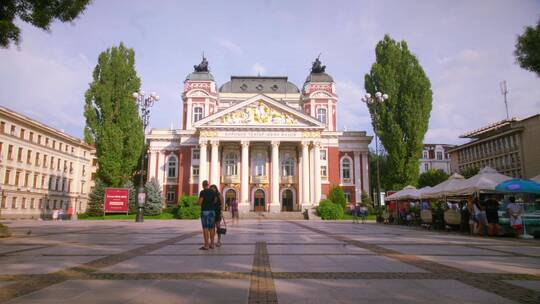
258, 114
312, 134
208, 133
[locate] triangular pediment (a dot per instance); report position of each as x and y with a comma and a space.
260, 110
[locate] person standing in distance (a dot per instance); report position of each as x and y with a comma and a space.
207, 200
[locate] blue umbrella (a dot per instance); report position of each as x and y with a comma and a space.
518, 185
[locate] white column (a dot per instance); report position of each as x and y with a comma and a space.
275, 206
305, 175
203, 171
365, 172
189, 105
244, 184
311, 177
317, 173
214, 175
330, 117
357, 178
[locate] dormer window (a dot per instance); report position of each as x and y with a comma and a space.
197, 113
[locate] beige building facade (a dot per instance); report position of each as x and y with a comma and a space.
41, 168
512, 147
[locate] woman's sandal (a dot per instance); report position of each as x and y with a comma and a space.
203, 248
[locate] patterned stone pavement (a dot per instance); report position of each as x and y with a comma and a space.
261, 262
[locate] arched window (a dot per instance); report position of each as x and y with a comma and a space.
231, 161
321, 115
346, 169
197, 113
172, 166
259, 164
287, 165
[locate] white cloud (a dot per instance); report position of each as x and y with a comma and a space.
229, 45
258, 69
351, 112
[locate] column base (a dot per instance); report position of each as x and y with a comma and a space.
275, 208
306, 206
243, 208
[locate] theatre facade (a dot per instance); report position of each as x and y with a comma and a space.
262, 141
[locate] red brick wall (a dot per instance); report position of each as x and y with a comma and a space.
333, 166
184, 170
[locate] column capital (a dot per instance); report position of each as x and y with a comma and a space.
203, 142
304, 143
244, 143
275, 143
316, 144
357, 153
214, 143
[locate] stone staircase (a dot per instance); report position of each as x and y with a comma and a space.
252, 215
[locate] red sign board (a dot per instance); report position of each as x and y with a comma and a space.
116, 200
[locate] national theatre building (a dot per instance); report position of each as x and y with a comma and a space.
262, 141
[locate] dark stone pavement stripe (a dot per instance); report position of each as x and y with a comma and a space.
80, 272
492, 284
261, 289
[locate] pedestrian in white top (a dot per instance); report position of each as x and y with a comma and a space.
514, 211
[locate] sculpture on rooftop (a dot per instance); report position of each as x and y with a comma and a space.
317, 66
201, 67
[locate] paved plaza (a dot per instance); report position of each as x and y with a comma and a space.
261, 262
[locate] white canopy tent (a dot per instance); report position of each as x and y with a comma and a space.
486, 180
422, 191
536, 178
407, 193
444, 189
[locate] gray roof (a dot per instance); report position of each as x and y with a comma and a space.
200, 76
319, 77
259, 84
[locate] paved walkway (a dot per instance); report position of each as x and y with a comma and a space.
261, 262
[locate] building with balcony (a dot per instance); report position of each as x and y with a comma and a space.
262, 141
41, 168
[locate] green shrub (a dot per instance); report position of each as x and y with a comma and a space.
187, 207
337, 196
83, 216
327, 210
95, 199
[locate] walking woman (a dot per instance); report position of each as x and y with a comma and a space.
219, 209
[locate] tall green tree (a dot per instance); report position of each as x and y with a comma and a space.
39, 13
113, 124
401, 121
431, 178
528, 49
469, 172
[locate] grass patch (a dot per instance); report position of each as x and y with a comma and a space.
348, 217
163, 216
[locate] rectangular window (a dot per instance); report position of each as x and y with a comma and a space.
46, 141
44, 161
17, 176
323, 154
22, 133
40, 203
7, 177
426, 167
65, 166
39, 139
10, 152
52, 162
19, 155
54, 144
70, 167
196, 154
195, 170
43, 177
14, 202
31, 136
58, 164
33, 203
84, 170
37, 162
324, 172
426, 155
170, 196
23, 203
4, 203
2, 127
29, 157
12, 131
26, 178
439, 155
347, 196
35, 180
60, 146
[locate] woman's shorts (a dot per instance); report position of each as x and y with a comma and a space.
208, 219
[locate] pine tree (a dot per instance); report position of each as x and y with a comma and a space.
401, 121
112, 119
154, 198
96, 199
132, 202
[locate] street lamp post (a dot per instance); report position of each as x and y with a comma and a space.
369, 100
144, 103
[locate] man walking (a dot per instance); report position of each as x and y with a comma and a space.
207, 200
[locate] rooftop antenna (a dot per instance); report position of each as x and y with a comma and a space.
504, 92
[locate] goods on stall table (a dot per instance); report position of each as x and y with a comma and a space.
452, 217
426, 216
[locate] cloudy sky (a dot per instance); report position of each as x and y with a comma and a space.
465, 48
